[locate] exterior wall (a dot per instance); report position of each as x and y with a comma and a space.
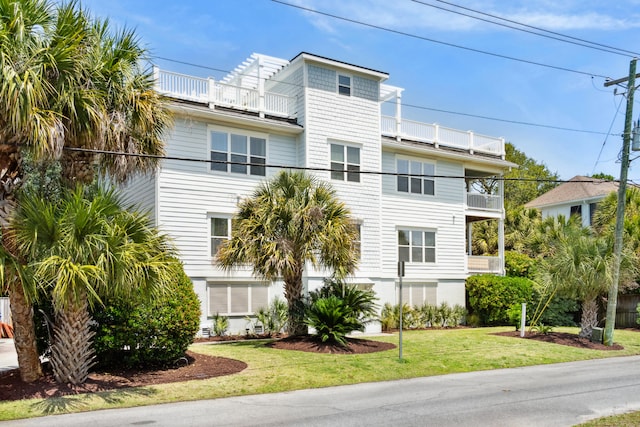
352, 121
189, 194
141, 191
565, 210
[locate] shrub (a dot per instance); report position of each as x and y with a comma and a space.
337, 309
220, 325
517, 264
491, 296
332, 319
274, 317
138, 333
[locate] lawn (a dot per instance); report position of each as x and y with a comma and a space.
425, 353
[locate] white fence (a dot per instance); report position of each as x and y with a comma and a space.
484, 201
483, 264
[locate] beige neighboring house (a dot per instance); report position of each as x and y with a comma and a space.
578, 196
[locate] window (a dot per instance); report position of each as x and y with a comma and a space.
418, 294
421, 180
345, 157
357, 243
237, 299
236, 148
220, 231
593, 207
344, 85
576, 210
416, 246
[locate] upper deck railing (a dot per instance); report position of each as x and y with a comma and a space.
215, 93
439, 135
209, 91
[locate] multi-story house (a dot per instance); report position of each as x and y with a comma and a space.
405, 182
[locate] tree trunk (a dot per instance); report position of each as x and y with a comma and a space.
589, 318
24, 337
295, 301
72, 354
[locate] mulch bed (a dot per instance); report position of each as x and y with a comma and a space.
562, 338
309, 344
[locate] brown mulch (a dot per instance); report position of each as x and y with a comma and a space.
194, 366
310, 344
562, 338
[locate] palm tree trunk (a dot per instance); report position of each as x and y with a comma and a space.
72, 354
293, 294
24, 337
589, 318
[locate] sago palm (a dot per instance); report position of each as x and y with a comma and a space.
67, 82
85, 247
289, 221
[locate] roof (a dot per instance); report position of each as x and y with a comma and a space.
577, 188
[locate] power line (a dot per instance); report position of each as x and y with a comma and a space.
587, 44
605, 139
631, 53
403, 33
320, 169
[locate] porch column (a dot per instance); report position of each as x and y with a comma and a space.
501, 227
470, 239
398, 114
260, 88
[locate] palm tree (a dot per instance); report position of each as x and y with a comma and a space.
579, 265
67, 82
85, 247
289, 221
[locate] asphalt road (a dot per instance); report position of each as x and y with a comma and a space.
550, 395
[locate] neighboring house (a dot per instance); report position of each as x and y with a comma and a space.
578, 196
319, 113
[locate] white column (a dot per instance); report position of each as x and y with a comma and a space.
398, 114
260, 88
501, 227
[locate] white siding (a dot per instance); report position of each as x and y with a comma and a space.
141, 191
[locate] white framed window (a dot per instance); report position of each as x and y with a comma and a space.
241, 299
344, 84
417, 246
230, 151
357, 243
345, 158
421, 181
219, 232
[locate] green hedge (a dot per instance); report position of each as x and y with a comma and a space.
139, 333
490, 297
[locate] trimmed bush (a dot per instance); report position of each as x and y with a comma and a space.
517, 264
490, 297
138, 333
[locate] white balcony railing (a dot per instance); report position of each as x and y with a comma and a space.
199, 89
484, 201
483, 264
439, 135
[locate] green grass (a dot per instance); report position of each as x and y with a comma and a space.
626, 420
425, 353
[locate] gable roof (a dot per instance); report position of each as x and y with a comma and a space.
578, 188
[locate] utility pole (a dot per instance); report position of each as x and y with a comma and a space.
612, 300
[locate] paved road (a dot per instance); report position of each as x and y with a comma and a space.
551, 395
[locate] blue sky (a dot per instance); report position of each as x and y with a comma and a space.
220, 34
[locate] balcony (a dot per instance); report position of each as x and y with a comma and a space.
484, 202
442, 136
214, 93
478, 264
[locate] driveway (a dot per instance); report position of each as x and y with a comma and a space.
549, 395
8, 358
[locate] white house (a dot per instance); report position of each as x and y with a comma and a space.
319, 113
578, 196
